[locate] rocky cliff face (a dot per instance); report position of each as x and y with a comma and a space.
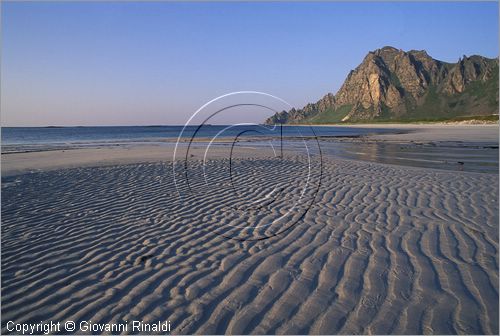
392, 84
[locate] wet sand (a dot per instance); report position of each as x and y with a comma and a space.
411, 135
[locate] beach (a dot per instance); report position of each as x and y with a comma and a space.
49, 157
254, 243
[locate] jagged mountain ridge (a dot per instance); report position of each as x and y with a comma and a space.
391, 84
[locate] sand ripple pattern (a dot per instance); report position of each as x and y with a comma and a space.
384, 249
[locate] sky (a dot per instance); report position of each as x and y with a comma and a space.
131, 63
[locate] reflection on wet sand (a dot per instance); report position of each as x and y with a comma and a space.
472, 157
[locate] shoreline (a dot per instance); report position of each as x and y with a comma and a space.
416, 123
435, 136
477, 122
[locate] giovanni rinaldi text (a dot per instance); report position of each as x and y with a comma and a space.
87, 326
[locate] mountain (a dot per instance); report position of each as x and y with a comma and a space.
393, 85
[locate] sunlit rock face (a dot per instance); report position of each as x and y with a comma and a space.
394, 84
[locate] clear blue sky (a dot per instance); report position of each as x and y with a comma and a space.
156, 63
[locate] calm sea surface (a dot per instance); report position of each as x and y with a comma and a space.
76, 135
473, 156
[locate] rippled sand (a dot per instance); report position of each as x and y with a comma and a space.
381, 249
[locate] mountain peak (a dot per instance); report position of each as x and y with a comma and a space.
391, 84
388, 49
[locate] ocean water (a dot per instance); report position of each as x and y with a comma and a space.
29, 136
459, 156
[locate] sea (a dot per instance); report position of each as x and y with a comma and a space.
335, 141
106, 134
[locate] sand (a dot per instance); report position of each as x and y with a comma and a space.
438, 132
366, 248
18, 163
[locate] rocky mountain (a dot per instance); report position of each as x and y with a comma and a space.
393, 85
